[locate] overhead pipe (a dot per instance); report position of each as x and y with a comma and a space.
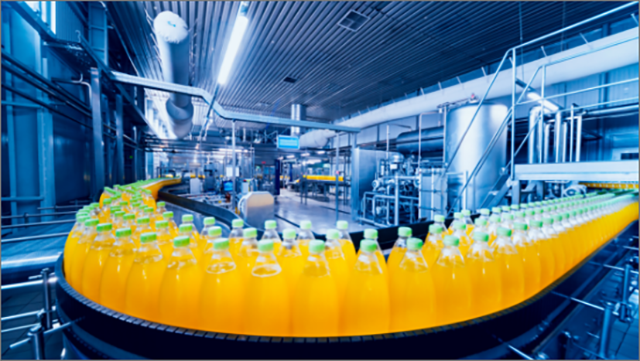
172, 35
620, 55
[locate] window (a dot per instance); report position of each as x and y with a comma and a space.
46, 10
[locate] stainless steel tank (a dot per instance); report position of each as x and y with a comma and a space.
431, 139
486, 124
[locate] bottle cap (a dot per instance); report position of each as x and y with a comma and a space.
466, 212
185, 228
342, 225
305, 225
414, 244
438, 218
370, 233
495, 219
143, 220
187, 218
480, 222
316, 247
162, 224
129, 217
148, 237
524, 206
266, 245
520, 214
521, 226
83, 219
496, 210
271, 224
147, 191
161, 204
435, 228
237, 223
557, 218
574, 213
457, 215
480, 236
214, 231
515, 207
459, 226
332, 234
508, 217
505, 208
123, 232
485, 211
249, 233
209, 221
81, 214
181, 241
114, 209
167, 215
504, 232
451, 241
148, 209
368, 246
104, 227
289, 233
547, 220
95, 204
530, 212
536, 223
404, 232
119, 214
220, 244
106, 201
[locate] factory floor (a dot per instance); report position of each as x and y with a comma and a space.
624, 337
322, 213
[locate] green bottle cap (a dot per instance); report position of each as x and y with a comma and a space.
435, 228
237, 223
123, 232
316, 247
466, 212
404, 232
106, 201
536, 224
119, 214
184, 228
104, 227
221, 244
167, 215
342, 225
187, 218
270, 224
368, 246
508, 217
451, 241
161, 204
457, 215
94, 204
215, 231
520, 214
129, 217
521, 226
459, 226
250, 233
81, 214
524, 206
557, 218
504, 232
414, 244
289, 233
515, 207
82, 220
162, 224
181, 241
485, 211
147, 191
480, 237
333, 234
143, 220
496, 210
148, 237
305, 225
266, 245
438, 218
530, 212
481, 222
547, 220
148, 209
495, 219
209, 221
370, 233
115, 209
505, 208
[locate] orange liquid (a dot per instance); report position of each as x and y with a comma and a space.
180, 290
140, 229
532, 268
234, 245
453, 287
431, 250
464, 242
114, 276
246, 258
165, 244
222, 297
349, 251
94, 265
339, 268
486, 286
69, 249
303, 244
511, 272
143, 286
396, 255
412, 295
77, 260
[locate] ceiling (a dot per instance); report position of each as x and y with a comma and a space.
403, 46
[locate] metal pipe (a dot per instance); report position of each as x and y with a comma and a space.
545, 146
27, 215
233, 172
23, 225
18, 328
32, 238
396, 215
557, 135
24, 315
22, 199
578, 301
387, 141
606, 330
36, 337
534, 113
571, 121
582, 90
59, 207
563, 143
513, 114
578, 136
625, 283
47, 298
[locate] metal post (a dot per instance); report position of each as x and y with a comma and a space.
233, 172
396, 215
119, 178
571, 121
542, 129
36, 337
606, 330
337, 140
513, 114
545, 146
557, 135
578, 136
47, 298
98, 148
387, 141
563, 142
45, 150
625, 283
420, 140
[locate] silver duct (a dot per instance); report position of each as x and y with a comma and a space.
298, 112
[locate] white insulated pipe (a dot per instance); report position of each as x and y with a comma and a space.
172, 35
597, 62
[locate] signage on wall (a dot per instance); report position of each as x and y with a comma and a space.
288, 142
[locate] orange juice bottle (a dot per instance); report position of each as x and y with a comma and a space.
95, 261
173, 228
464, 241
77, 258
236, 237
290, 258
129, 221
271, 233
484, 275
180, 287
142, 290
361, 315
148, 212
372, 235
411, 291
399, 248
484, 214
72, 241
480, 226
433, 244
348, 249
452, 284
213, 233
248, 251
315, 309
164, 238
267, 308
222, 293
544, 249
187, 230
466, 218
105, 211
457, 217
530, 259
304, 237
511, 268
492, 228
558, 250
439, 220
207, 224
566, 241
112, 214
142, 226
337, 262
161, 207
187, 219
118, 219
116, 269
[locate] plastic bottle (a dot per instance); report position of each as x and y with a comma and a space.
112, 214
271, 233
480, 226
129, 221
247, 252
142, 290
484, 275
207, 224
496, 211
348, 249
187, 219
529, 216
466, 217
361, 314
439, 220
457, 217
116, 269
304, 237
464, 242
399, 248
505, 210
372, 235
453, 286
180, 287
187, 230
492, 228
236, 236
412, 294
338, 265
485, 214
161, 207
290, 258
565, 240
507, 221
212, 235
164, 238
72, 241
105, 211
530, 259
118, 219
222, 295
173, 228
267, 308
95, 261
511, 268
315, 310
545, 253
80, 253
558, 251
520, 217
433, 244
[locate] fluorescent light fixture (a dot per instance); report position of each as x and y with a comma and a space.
320, 152
290, 156
237, 34
313, 161
305, 154
547, 104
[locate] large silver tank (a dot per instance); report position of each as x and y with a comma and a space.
431, 139
474, 145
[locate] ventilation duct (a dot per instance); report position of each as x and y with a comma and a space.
172, 35
298, 112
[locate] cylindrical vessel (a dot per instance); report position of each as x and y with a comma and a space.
487, 122
535, 140
298, 112
431, 139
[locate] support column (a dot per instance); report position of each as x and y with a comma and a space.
98, 145
233, 163
337, 141
119, 178
45, 153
